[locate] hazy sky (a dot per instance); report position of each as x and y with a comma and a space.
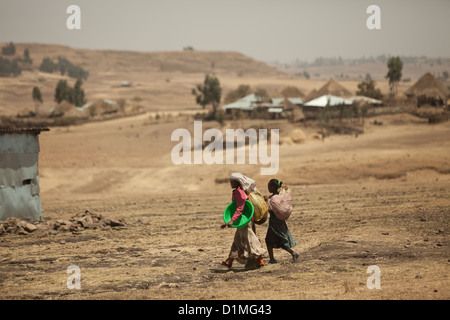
267, 30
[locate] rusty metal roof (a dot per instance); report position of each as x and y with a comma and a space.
23, 130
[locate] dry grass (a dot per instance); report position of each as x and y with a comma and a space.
379, 199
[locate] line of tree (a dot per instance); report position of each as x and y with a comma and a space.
9, 50
73, 95
14, 67
63, 91
64, 66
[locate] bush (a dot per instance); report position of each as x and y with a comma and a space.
367, 89
9, 68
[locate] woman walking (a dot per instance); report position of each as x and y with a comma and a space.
278, 234
246, 247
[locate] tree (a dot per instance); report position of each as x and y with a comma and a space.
48, 66
9, 68
63, 66
78, 94
395, 66
445, 75
63, 92
241, 91
9, 50
73, 95
367, 89
37, 98
263, 94
26, 56
208, 93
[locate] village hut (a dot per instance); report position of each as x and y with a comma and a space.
428, 90
19, 176
247, 103
313, 107
292, 92
332, 88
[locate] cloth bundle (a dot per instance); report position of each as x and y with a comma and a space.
259, 204
281, 204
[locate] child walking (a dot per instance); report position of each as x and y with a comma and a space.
246, 247
278, 234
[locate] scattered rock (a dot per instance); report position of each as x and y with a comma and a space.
116, 223
29, 227
168, 285
76, 224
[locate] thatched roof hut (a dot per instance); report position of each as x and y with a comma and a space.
330, 88
429, 90
292, 92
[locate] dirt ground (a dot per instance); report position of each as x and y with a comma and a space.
381, 198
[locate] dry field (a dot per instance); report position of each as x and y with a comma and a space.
381, 198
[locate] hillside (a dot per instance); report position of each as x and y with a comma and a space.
163, 81
159, 80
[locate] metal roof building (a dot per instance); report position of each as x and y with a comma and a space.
327, 100
19, 175
247, 103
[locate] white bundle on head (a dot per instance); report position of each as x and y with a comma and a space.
249, 185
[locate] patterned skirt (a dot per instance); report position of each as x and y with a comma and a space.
246, 245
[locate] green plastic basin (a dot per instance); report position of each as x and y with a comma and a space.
245, 217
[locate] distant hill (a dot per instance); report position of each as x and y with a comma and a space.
158, 79
357, 69
189, 61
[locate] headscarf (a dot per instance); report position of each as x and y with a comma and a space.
249, 185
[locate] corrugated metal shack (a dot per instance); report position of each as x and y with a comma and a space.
19, 174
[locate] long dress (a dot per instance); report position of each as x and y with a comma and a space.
246, 246
278, 234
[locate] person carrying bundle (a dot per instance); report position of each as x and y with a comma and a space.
280, 208
246, 247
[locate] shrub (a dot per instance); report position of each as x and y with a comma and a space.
9, 68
